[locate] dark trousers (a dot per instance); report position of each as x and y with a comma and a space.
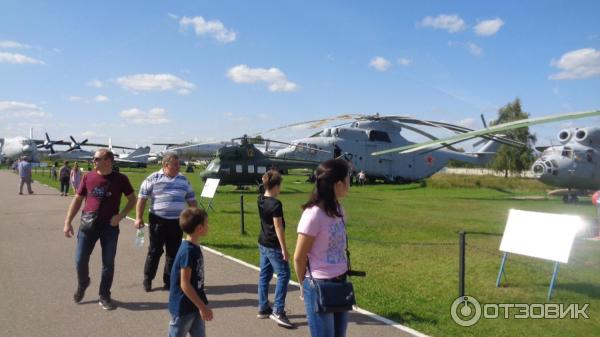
64, 185
86, 241
162, 232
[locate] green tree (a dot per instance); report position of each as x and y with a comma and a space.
508, 158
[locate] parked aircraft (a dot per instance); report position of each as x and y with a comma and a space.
574, 165
568, 166
369, 134
244, 164
137, 158
17, 147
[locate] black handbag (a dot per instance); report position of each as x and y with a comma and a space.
89, 219
335, 295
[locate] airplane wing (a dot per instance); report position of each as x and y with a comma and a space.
487, 131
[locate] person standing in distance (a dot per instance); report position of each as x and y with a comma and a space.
24, 168
169, 192
273, 250
101, 189
322, 244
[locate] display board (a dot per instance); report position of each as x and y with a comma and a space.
542, 235
210, 187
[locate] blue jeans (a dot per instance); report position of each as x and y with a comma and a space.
179, 326
86, 241
271, 260
322, 324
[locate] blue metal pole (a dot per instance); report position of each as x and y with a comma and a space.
554, 275
501, 271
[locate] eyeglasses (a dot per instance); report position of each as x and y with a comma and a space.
95, 159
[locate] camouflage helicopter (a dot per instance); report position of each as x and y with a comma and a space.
244, 164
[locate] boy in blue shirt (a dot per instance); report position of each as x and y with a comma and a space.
187, 300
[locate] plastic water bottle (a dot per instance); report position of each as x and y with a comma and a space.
139, 238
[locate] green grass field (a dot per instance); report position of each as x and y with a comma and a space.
405, 237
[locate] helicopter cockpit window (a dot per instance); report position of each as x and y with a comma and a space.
239, 169
312, 148
212, 167
379, 136
567, 152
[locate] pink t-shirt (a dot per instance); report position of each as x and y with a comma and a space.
327, 256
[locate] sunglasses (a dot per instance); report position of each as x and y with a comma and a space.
95, 159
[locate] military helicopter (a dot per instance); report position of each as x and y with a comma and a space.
371, 133
574, 165
244, 164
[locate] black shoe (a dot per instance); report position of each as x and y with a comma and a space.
80, 292
106, 303
264, 313
282, 320
167, 287
147, 286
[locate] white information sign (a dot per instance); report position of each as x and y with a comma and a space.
542, 235
210, 187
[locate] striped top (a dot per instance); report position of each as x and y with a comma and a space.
169, 196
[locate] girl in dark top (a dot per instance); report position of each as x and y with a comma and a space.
274, 255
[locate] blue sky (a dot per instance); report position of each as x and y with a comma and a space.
168, 71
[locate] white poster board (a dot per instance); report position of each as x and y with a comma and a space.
210, 187
542, 235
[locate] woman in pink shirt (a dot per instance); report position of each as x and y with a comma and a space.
75, 177
322, 245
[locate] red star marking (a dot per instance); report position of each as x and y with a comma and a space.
429, 160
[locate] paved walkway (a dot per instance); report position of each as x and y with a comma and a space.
37, 280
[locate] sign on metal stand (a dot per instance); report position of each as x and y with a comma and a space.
209, 190
540, 235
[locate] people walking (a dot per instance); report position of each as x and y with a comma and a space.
101, 189
64, 175
274, 255
169, 193
24, 168
320, 254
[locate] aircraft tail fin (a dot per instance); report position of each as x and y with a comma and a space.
138, 155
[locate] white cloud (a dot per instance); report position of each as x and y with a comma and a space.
155, 82
468, 123
405, 61
450, 23
95, 84
153, 116
172, 16
577, 64
18, 59
275, 78
75, 98
380, 63
7, 44
470, 46
488, 27
228, 114
101, 98
12, 109
212, 27
474, 49
88, 134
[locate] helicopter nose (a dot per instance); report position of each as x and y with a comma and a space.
27, 148
539, 169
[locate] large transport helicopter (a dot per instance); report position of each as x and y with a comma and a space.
574, 166
367, 134
244, 164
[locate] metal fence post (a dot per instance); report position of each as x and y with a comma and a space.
461, 263
242, 230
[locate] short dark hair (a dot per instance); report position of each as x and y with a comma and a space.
191, 218
271, 178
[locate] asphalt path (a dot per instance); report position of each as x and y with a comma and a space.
37, 281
